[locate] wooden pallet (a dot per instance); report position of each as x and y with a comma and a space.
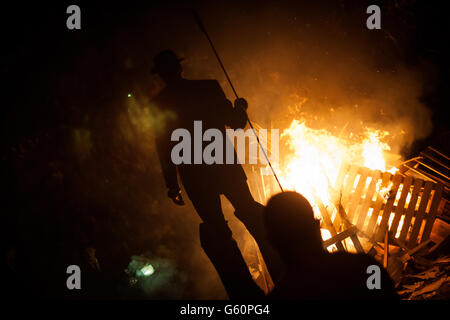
431, 165
378, 202
262, 186
379, 206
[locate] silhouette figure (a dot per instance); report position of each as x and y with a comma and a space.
194, 100
311, 271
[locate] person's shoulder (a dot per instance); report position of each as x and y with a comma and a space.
354, 256
364, 258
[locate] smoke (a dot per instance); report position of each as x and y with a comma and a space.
318, 62
168, 234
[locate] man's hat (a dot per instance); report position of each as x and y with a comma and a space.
164, 60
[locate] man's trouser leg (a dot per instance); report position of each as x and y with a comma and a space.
220, 247
224, 253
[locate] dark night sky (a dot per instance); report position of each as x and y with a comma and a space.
47, 66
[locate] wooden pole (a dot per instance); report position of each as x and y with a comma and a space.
386, 249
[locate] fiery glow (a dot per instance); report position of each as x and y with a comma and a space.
314, 158
373, 148
312, 164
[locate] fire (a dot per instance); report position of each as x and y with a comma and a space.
373, 148
315, 156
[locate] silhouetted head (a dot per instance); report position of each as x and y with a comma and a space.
291, 227
167, 65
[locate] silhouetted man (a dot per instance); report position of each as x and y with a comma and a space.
312, 272
204, 100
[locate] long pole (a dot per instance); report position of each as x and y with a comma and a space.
202, 28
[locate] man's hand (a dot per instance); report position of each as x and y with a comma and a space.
241, 103
175, 195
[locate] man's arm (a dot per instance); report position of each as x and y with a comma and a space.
169, 169
235, 118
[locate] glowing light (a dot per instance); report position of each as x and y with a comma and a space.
315, 157
129, 95
146, 271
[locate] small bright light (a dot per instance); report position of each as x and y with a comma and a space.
148, 270
129, 95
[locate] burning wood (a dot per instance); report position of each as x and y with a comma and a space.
358, 196
349, 183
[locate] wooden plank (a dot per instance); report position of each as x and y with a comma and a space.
348, 187
267, 279
365, 205
439, 153
354, 200
386, 249
343, 216
325, 216
327, 221
426, 165
340, 179
337, 219
400, 208
340, 237
421, 214
378, 203
394, 207
256, 186
433, 212
345, 193
388, 207
263, 186
429, 176
434, 159
336, 192
411, 252
411, 208
357, 244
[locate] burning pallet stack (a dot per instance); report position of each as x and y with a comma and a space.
370, 203
380, 211
381, 207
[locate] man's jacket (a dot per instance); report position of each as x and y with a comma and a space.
189, 101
